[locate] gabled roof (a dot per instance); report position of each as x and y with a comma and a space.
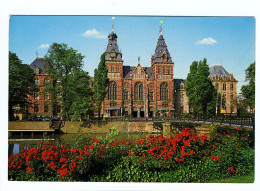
161, 48
39, 62
177, 82
218, 69
128, 70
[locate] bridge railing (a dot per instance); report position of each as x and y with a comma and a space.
225, 119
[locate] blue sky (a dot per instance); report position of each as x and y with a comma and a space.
229, 41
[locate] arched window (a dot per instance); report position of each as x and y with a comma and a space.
138, 95
125, 95
164, 91
159, 70
112, 91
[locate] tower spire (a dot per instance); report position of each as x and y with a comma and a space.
161, 27
113, 24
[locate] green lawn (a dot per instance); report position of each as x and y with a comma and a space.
236, 179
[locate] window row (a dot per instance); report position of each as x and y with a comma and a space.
164, 70
113, 68
224, 87
138, 92
37, 82
46, 108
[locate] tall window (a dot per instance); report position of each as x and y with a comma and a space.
112, 91
36, 95
169, 70
36, 81
117, 68
150, 96
182, 98
36, 107
138, 91
107, 66
164, 91
231, 87
216, 86
231, 97
224, 86
46, 107
46, 95
112, 68
164, 70
159, 70
125, 95
46, 79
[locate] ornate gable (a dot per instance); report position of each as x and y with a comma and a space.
139, 73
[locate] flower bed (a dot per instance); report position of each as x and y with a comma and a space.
185, 157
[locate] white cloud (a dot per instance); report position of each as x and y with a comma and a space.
44, 46
93, 33
207, 41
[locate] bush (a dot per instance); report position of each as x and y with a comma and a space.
185, 157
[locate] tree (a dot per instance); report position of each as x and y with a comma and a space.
21, 84
248, 91
100, 83
63, 61
199, 87
80, 94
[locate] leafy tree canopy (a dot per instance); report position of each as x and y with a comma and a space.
100, 83
248, 91
21, 83
199, 87
64, 65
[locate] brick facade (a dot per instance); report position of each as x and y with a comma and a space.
135, 90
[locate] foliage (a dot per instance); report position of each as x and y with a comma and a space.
80, 95
21, 84
199, 88
100, 83
248, 91
65, 67
186, 157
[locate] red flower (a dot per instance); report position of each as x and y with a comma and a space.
140, 161
29, 169
192, 152
140, 142
73, 166
214, 145
123, 153
63, 172
62, 159
91, 147
52, 165
100, 147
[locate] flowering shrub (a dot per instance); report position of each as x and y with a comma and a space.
185, 157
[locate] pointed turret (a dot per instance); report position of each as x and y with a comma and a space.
161, 50
112, 51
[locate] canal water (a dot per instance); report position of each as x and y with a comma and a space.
16, 143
